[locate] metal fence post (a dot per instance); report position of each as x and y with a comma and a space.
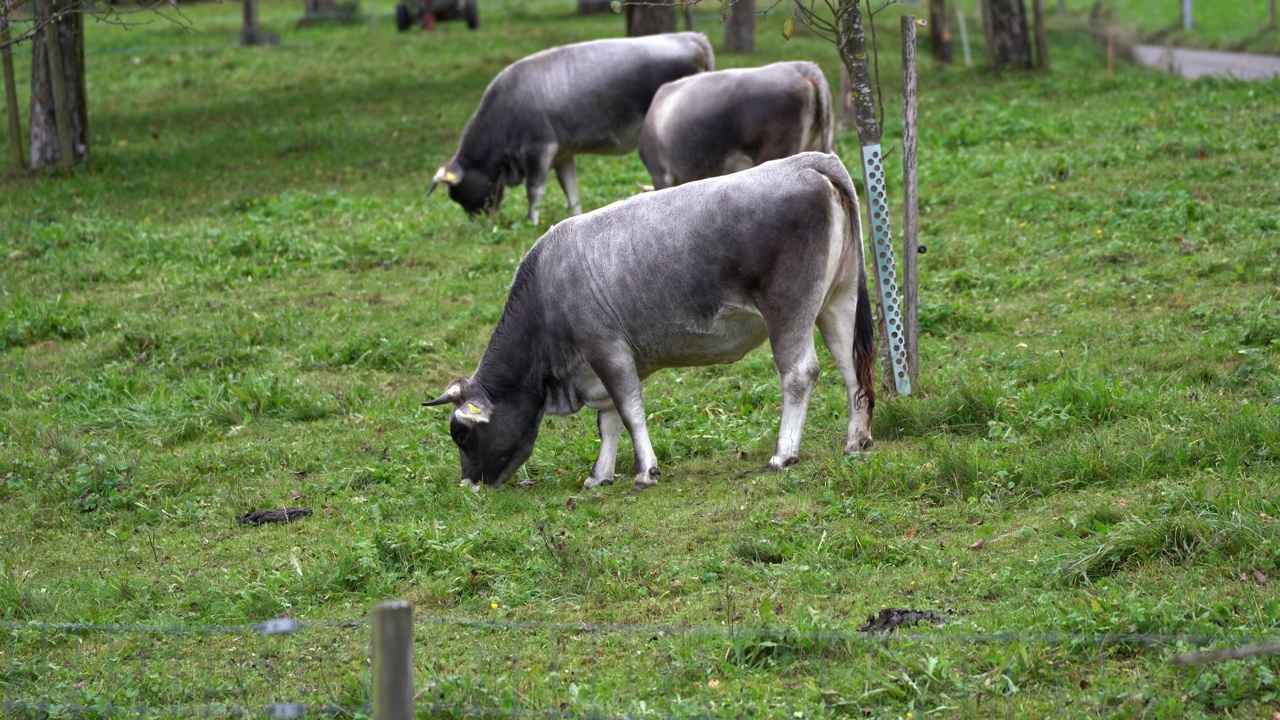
392, 648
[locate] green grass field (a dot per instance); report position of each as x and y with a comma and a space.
240, 302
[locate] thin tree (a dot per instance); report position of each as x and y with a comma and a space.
10, 94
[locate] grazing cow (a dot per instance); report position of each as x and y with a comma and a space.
695, 275
721, 122
541, 111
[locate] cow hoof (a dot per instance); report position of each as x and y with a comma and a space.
646, 480
858, 444
593, 482
775, 464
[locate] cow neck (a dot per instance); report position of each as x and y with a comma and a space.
517, 360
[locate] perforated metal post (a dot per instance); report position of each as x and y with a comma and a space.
886, 276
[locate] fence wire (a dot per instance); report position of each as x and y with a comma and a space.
288, 668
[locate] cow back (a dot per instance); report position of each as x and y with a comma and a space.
584, 97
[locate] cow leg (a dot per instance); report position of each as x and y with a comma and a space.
797, 362
617, 371
836, 321
537, 164
609, 423
567, 174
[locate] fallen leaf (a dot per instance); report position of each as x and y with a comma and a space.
978, 545
911, 533
571, 503
1257, 575
713, 683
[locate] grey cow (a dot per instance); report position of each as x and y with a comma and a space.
541, 111
720, 122
694, 275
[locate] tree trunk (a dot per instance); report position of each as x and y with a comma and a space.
939, 32
740, 28
250, 34
44, 122
1010, 41
651, 18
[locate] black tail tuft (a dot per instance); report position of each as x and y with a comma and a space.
864, 346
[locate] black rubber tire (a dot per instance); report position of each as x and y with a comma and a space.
471, 11
403, 20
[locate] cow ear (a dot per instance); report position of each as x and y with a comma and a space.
452, 394
471, 414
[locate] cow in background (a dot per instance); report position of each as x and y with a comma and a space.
543, 110
721, 122
694, 275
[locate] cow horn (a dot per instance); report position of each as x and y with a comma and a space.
451, 395
443, 175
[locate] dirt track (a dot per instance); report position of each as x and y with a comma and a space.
1192, 64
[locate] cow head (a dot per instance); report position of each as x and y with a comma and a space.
494, 435
475, 191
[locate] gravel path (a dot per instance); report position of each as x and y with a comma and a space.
1192, 64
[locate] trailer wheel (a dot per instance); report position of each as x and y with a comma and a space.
403, 21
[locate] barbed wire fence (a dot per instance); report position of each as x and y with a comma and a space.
288, 668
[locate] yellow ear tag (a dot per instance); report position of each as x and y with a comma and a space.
474, 410
450, 177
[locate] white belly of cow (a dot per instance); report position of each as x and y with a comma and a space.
732, 334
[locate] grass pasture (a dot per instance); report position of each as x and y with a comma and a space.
243, 298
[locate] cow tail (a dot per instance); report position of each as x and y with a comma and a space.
864, 346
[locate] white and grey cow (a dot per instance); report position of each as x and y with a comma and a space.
541, 111
694, 275
721, 122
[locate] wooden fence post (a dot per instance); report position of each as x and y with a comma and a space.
910, 208
910, 204
392, 649
11, 95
